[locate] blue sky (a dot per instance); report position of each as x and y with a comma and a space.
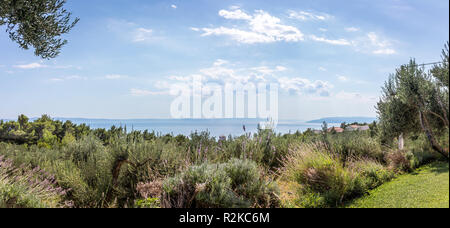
330, 57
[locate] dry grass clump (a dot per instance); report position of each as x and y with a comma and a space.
398, 160
150, 189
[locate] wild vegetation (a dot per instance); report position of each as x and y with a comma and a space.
48, 163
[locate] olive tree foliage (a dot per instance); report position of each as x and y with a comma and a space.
38, 24
416, 101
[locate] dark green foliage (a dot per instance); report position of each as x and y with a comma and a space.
441, 71
37, 24
371, 174
355, 144
235, 184
415, 101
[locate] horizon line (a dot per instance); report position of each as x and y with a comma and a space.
85, 118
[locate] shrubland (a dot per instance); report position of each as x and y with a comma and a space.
50, 163
140, 169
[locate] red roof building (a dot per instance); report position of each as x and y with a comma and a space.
337, 129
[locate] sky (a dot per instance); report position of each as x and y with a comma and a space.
330, 58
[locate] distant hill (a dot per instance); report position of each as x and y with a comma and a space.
344, 119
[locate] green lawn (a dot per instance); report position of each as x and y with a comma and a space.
427, 187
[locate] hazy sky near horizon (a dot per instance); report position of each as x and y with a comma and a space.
329, 57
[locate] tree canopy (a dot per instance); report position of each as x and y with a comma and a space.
416, 101
37, 24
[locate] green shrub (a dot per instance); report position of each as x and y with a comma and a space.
147, 203
350, 145
310, 199
235, 184
325, 181
82, 168
420, 152
371, 174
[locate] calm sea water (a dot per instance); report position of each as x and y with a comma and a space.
217, 127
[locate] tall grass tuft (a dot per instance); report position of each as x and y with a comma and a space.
323, 178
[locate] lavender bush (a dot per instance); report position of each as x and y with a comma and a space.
28, 188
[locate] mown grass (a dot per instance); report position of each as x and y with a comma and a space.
427, 187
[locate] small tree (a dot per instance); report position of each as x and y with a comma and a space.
23, 122
324, 127
39, 24
416, 101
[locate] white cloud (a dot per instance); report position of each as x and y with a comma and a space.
281, 68
115, 76
225, 72
218, 72
220, 62
342, 78
265, 70
322, 69
261, 27
174, 78
387, 51
308, 15
173, 6
238, 35
142, 34
40, 65
356, 97
30, 66
142, 92
382, 45
343, 42
271, 26
375, 44
352, 29
56, 79
67, 78
131, 31
236, 15
303, 86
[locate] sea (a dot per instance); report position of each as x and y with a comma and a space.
216, 127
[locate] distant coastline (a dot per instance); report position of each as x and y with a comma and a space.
344, 120
325, 119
